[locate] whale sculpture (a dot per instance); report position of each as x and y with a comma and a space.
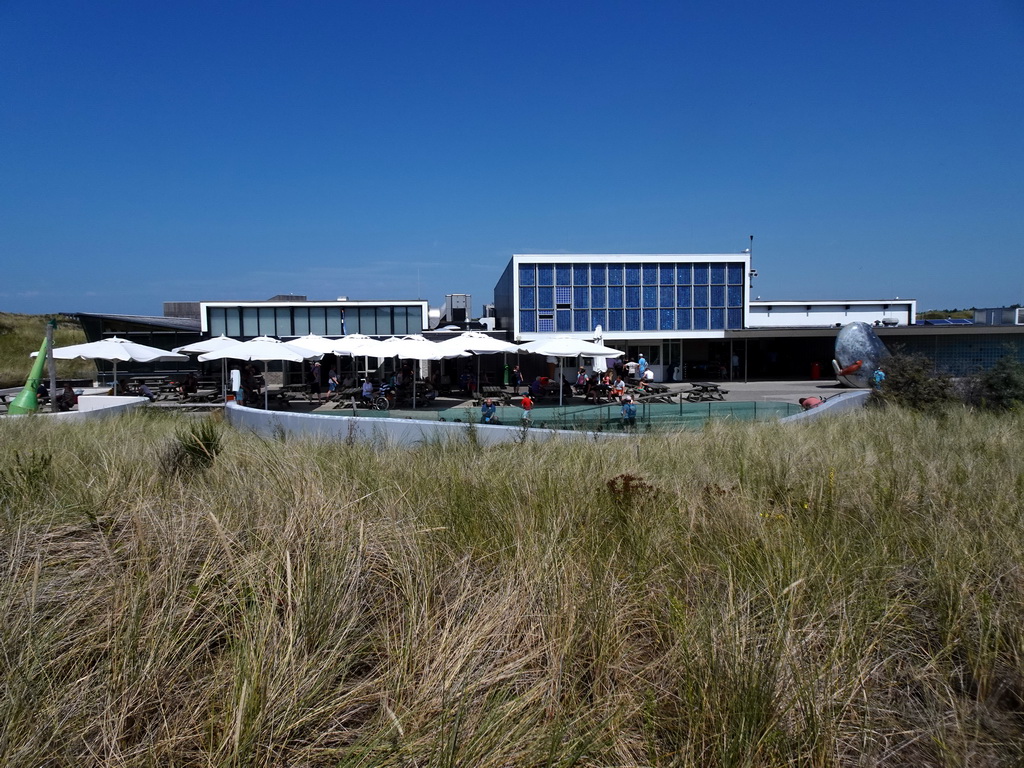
859, 353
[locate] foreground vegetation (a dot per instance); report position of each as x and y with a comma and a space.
20, 335
847, 592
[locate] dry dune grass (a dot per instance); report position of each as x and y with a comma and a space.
847, 593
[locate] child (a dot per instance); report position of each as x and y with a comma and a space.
527, 403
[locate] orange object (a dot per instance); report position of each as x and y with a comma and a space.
851, 368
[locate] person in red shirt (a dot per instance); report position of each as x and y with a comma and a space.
810, 402
527, 404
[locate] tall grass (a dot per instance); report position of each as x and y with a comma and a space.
844, 593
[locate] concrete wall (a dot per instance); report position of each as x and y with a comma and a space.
397, 431
844, 402
90, 408
827, 314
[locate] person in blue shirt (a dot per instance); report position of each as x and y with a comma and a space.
628, 412
487, 411
642, 365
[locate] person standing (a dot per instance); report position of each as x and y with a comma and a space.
628, 412
314, 380
236, 384
631, 367
517, 380
527, 403
641, 365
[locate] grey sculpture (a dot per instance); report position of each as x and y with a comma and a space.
859, 353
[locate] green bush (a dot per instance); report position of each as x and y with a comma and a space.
911, 381
1002, 386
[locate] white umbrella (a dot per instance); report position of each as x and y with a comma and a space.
479, 344
115, 349
210, 345
417, 347
263, 348
320, 344
359, 345
600, 363
566, 346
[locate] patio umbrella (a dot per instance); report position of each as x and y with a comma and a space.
566, 346
359, 345
602, 366
115, 350
417, 347
478, 344
263, 348
211, 345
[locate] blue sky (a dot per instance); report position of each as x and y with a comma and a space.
156, 152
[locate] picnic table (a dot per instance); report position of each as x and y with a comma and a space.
705, 390
498, 393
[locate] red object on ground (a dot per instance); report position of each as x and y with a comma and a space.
815, 370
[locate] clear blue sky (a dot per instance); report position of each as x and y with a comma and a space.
197, 150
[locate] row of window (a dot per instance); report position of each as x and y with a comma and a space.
324, 321
630, 297
664, 319
668, 274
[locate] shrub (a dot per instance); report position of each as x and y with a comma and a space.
1002, 386
193, 448
912, 381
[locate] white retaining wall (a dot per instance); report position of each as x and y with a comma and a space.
841, 403
398, 431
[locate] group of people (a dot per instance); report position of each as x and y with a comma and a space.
247, 383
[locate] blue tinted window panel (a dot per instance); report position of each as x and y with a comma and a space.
581, 274
684, 296
632, 319
717, 295
700, 295
700, 274
700, 319
563, 274
668, 274
599, 297
580, 298
545, 274
734, 317
633, 274
650, 319
563, 294
684, 274
650, 295
632, 297
718, 274
615, 296
667, 297
615, 274
735, 295
563, 320
528, 321
598, 274
527, 298
614, 320
667, 319
735, 274
527, 274
581, 320
718, 319
545, 324
597, 317
545, 297
650, 274
684, 319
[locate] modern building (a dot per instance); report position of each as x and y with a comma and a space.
299, 317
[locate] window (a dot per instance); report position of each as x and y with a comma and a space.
700, 295
216, 321
563, 274
632, 319
283, 321
668, 274
650, 274
250, 322
581, 274
700, 319
581, 320
527, 274
735, 317
545, 323
614, 296
667, 298
735, 295
717, 295
546, 298
614, 320
684, 296
650, 295
633, 274
597, 317
615, 273
718, 274
334, 322
633, 297
415, 319
598, 297
735, 274
684, 319
718, 319
528, 322
563, 320
650, 319
545, 274
400, 320
367, 321
684, 274
527, 298
700, 274
580, 297
301, 326
383, 320
563, 296
317, 320
598, 274
667, 319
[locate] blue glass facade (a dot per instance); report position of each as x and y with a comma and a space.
636, 297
